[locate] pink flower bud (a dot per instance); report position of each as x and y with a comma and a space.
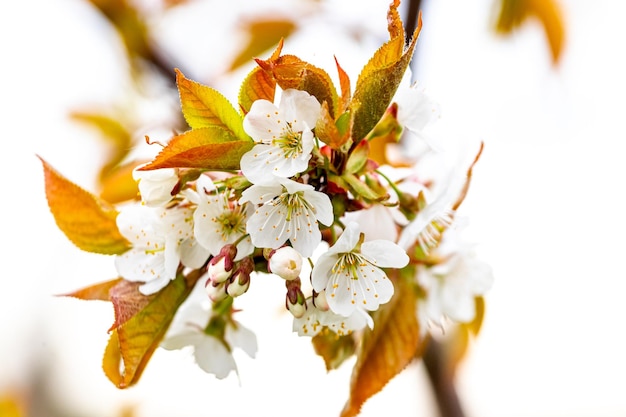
239, 283
286, 262
221, 266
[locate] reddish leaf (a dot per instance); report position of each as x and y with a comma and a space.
289, 71
387, 349
211, 148
86, 220
140, 324
127, 301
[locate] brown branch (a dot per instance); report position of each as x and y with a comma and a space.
441, 380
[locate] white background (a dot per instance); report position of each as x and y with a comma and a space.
545, 206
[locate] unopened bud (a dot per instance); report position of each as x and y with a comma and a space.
286, 262
240, 281
221, 266
320, 301
215, 290
295, 301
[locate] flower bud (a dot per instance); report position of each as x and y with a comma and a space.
286, 262
319, 301
215, 290
156, 186
221, 266
240, 281
295, 300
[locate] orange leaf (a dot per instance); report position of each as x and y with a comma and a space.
86, 220
327, 131
118, 184
289, 71
98, 291
514, 13
344, 83
211, 148
258, 85
386, 350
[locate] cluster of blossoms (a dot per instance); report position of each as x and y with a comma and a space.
276, 212
321, 189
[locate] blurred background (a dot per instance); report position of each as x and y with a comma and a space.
545, 205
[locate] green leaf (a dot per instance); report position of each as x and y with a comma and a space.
140, 324
379, 79
360, 189
211, 148
205, 107
86, 220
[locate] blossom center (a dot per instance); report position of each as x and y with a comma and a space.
289, 142
231, 222
351, 265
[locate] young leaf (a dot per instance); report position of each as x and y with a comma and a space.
211, 148
327, 131
386, 350
140, 324
291, 72
379, 79
344, 84
86, 220
205, 107
98, 291
258, 85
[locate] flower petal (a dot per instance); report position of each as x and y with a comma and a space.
385, 254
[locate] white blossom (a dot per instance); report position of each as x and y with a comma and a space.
452, 285
284, 136
218, 221
350, 272
155, 186
161, 238
416, 110
290, 211
212, 352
